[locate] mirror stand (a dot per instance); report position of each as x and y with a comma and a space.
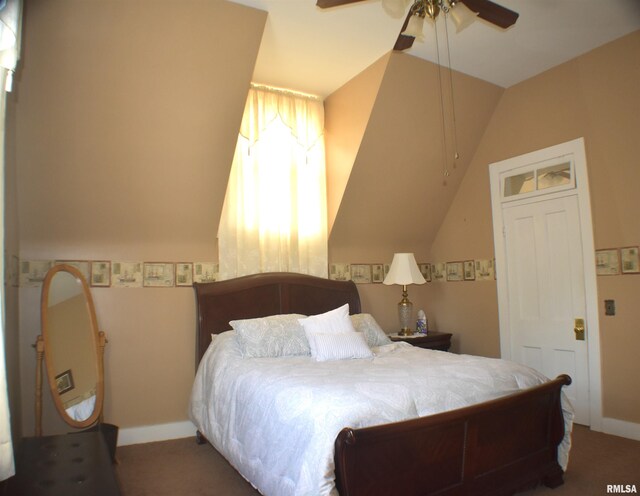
39, 346
71, 347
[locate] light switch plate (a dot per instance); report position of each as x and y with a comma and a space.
609, 307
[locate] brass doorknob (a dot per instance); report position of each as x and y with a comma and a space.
578, 329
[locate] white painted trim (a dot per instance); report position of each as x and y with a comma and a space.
501, 257
590, 283
158, 432
621, 428
577, 149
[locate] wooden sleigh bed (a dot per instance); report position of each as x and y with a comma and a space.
494, 448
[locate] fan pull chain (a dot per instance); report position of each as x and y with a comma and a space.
445, 171
456, 155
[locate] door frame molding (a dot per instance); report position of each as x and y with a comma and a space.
577, 149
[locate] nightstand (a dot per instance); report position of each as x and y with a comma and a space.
434, 340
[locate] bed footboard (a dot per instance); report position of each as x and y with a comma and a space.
492, 448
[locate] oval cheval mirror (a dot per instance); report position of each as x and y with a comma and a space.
73, 349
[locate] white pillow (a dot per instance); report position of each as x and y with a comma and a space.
341, 346
331, 322
345, 343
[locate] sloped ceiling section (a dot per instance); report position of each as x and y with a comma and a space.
132, 110
397, 195
347, 113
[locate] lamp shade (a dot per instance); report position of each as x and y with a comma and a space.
415, 27
404, 270
395, 8
462, 16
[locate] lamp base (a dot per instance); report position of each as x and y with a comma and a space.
406, 332
405, 311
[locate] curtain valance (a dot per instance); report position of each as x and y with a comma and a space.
303, 116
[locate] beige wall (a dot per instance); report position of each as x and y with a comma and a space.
594, 96
124, 126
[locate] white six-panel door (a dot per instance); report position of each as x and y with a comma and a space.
546, 292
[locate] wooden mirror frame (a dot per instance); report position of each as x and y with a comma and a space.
43, 345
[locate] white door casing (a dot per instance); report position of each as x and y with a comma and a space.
549, 277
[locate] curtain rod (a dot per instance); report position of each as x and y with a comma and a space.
284, 91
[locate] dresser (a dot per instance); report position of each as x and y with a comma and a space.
434, 340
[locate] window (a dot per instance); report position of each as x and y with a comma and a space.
547, 177
274, 216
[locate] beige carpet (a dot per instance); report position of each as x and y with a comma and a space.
182, 467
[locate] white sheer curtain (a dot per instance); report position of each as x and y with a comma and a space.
274, 217
10, 22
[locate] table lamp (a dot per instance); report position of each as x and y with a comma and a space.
404, 271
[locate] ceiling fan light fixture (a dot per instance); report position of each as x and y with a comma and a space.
430, 7
395, 8
414, 27
462, 16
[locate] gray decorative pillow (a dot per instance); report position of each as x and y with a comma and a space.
274, 336
375, 336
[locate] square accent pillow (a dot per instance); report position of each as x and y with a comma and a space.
331, 322
365, 323
342, 346
273, 336
337, 322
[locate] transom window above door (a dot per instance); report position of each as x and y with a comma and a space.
538, 179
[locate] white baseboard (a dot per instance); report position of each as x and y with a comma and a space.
621, 428
152, 433
177, 430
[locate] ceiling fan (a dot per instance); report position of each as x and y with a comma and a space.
420, 9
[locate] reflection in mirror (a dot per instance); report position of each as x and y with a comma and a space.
73, 347
519, 184
556, 175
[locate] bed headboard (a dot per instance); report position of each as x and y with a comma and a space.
261, 295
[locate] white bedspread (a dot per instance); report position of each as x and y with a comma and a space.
276, 419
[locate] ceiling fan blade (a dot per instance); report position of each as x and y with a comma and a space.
403, 42
326, 4
492, 12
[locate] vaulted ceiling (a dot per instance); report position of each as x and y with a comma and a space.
318, 50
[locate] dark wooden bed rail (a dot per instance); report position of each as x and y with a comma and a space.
491, 448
